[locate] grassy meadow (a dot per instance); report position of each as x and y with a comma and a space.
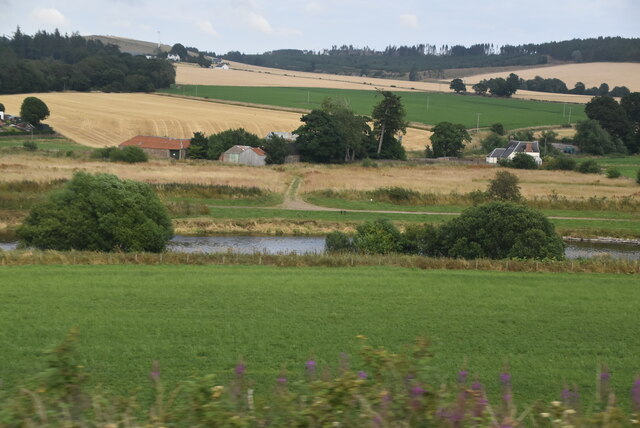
551, 329
44, 144
421, 107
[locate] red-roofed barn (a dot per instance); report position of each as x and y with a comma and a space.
160, 147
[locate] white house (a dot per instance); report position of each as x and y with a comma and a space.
172, 57
245, 155
1, 115
531, 148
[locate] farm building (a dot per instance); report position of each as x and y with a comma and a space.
245, 155
160, 147
532, 148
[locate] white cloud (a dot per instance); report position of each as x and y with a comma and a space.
258, 23
313, 8
206, 28
408, 20
49, 17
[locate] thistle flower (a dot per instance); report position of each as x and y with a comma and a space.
155, 371
362, 375
505, 378
240, 369
311, 366
417, 391
462, 376
281, 380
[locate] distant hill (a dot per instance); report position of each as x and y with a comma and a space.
131, 46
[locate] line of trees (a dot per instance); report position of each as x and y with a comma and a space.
506, 87
347, 59
53, 62
334, 134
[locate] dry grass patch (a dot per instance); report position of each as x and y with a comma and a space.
462, 179
29, 167
288, 227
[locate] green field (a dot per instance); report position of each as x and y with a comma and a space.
429, 108
549, 328
49, 144
627, 165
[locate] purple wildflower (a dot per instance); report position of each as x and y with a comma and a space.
282, 380
311, 366
155, 371
462, 376
566, 395
240, 369
605, 376
635, 395
362, 375
417, 391
377, 420
476, 386
507, 398
505, 378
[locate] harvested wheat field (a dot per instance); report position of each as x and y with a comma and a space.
103, 120
446, 179
25, 167
591, 74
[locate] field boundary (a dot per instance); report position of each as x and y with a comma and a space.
346, 260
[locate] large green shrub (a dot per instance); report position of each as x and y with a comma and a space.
501, 230
588, 166
33, 110
99, 213
563, 163
519, 161
129, 154
377, 237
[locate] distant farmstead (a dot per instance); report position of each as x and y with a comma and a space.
531, 148
160, 147
245, 155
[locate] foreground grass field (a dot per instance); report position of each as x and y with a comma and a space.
428, 108
549, 328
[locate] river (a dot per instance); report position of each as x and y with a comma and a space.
315, 245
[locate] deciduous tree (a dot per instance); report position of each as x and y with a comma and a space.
458, 86
33, 110
448, 139
388, 118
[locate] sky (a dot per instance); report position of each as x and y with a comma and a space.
256, 26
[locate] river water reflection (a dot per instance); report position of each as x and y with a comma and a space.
315, 245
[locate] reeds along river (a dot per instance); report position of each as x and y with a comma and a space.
315, 245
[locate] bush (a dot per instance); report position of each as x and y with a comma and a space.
588, 166
498, 128
377, 237
338, 242
99, 213
504, 187
562, 163
638, 177
129, 154
368, 163
523, 161
30, 146
613, 172
501, 230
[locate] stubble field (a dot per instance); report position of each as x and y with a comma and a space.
103, 120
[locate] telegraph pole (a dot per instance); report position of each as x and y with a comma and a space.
478, 123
